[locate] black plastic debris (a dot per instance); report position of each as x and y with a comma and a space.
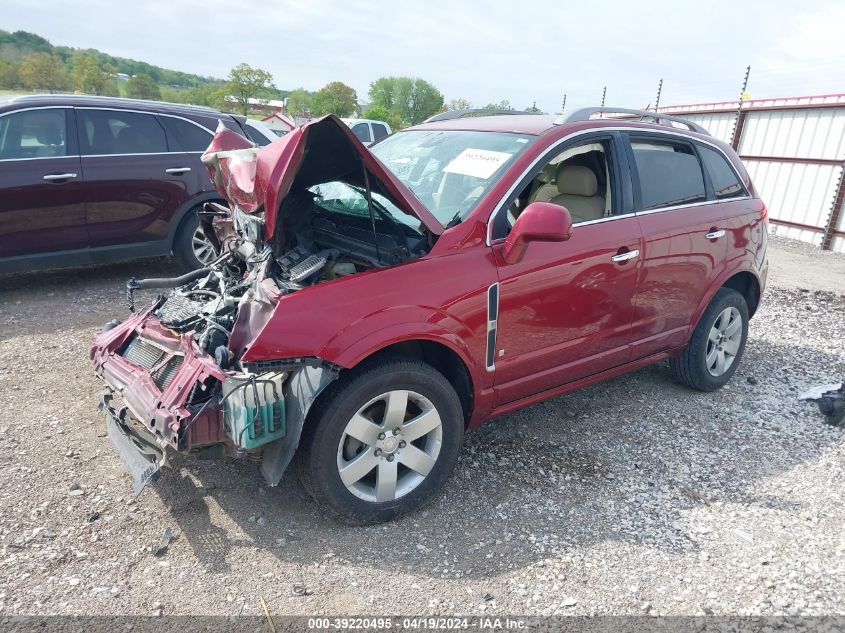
832, 406
831, 402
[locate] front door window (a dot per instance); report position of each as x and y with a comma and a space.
40, 133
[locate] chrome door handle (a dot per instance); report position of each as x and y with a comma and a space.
713, 235
177, 170
624, 257
51, 177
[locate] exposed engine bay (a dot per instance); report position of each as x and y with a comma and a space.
323, 246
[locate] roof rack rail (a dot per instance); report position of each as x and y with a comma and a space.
57, 96
459, 114
584, 114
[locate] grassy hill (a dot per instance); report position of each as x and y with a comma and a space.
14, 47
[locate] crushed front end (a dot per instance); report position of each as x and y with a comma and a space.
181, 387
175, 372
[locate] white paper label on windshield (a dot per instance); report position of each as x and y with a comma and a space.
481, 163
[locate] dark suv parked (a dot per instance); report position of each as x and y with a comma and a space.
87, 180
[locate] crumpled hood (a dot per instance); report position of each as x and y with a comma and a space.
321, 151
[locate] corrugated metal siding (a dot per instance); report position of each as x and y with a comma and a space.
818, 134
720, 126
796, 192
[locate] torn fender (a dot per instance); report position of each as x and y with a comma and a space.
301, 390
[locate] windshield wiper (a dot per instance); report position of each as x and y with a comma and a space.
455, 221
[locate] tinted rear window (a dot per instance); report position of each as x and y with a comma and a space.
669, 174
724, 178
118, 132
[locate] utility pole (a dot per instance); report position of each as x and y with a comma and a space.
739, 120
659, 90
603, 95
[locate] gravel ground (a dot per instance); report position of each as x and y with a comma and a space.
634, 496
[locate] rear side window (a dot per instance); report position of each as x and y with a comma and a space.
669, 174
184, 136
362, 131
724, 178
118, 132
33, 134
379, 131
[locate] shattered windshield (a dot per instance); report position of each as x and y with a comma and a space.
340, 197
450, 170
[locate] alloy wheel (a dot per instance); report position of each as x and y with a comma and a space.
723, 341
389, 446
202, 249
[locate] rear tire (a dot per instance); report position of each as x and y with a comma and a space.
191, 247
717, 344
381, 441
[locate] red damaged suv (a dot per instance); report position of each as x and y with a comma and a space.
370, 305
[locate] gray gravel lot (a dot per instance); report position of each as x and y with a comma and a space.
634, 496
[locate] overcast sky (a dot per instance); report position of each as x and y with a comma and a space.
523, 51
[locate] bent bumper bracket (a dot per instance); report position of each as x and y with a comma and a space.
141, 455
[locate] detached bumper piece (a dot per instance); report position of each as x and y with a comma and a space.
138, 451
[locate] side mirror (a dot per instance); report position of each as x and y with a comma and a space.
539, 222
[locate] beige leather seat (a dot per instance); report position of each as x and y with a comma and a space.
578, 192
547, 188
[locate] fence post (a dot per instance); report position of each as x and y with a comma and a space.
738, 126
833, 218
739, 121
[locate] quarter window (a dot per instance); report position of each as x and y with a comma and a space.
184, 136
33, 134
669, 174
118, 132
724, 179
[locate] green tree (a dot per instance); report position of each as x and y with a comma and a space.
335, 98
89, 77
299, 102
380, 113
377, 112
8, 74
383, 93
246, 82
142, 86
460, 104
42, 71
504, 104
410, 98
534, 109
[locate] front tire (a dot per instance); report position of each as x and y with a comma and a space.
382, 441
717, 344
191, 247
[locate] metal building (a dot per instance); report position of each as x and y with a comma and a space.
794, 149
